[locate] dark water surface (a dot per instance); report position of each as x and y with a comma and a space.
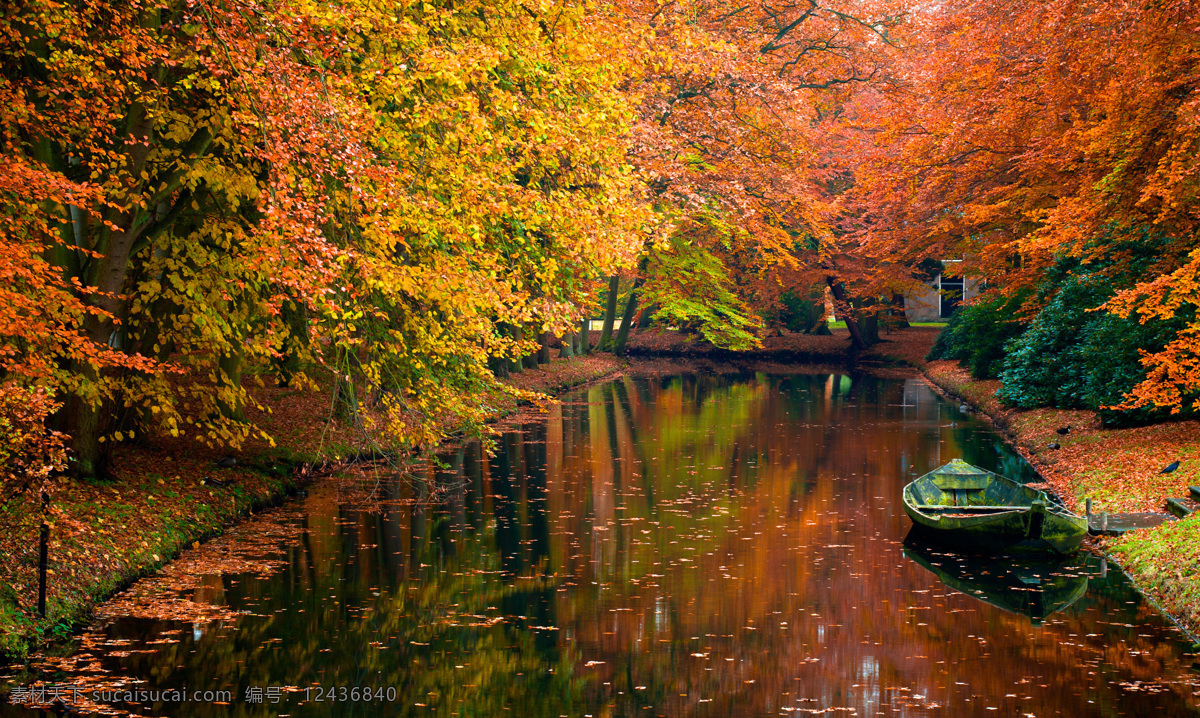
708, 545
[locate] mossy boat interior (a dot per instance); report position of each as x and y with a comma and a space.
974, 508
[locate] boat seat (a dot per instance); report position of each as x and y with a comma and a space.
969, 482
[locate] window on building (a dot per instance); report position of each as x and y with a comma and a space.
951, 294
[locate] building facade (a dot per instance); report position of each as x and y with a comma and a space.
938, 300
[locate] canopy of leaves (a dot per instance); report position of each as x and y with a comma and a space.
1015, 134
194, 191
735, 102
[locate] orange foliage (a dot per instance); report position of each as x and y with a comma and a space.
29, 452
1016, 133
732, 136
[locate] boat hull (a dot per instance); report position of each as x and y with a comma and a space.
1005, 532
968, 507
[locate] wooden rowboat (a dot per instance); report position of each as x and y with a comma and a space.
970, 507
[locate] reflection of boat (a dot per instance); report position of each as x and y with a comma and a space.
1034, 588
974, 508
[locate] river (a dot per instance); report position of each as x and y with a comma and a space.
710, 544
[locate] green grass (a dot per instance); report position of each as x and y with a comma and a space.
1166, 562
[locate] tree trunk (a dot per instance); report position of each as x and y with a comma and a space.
499, 367
544, 351
814, 312
345, 400
230, 363
626, 321
610, 314
518, 361
288, 365
530, 360
899, 311
585, 336
84, 421
868, 325
117, 234
568, 346
646, 317
842, 307
630, 309
499, 364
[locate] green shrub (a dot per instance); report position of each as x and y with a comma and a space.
977, 333
1076, 356
1073, 355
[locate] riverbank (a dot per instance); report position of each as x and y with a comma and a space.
169, 494
1119, 469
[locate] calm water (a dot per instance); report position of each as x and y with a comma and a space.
712, 545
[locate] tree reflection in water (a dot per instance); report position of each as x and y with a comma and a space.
719, 544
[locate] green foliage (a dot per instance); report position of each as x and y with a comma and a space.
1073, 354
1043, 368
1077, 356
16, 626
691, 288
977, 333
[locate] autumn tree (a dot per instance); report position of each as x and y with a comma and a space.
1016, 134
731, 135
194, 189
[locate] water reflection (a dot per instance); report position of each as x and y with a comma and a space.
1035, 587
710, 545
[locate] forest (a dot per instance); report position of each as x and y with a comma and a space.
407, 199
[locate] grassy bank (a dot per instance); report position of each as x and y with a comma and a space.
1119, 469
169, 493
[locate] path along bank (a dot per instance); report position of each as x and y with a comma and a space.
171, 493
